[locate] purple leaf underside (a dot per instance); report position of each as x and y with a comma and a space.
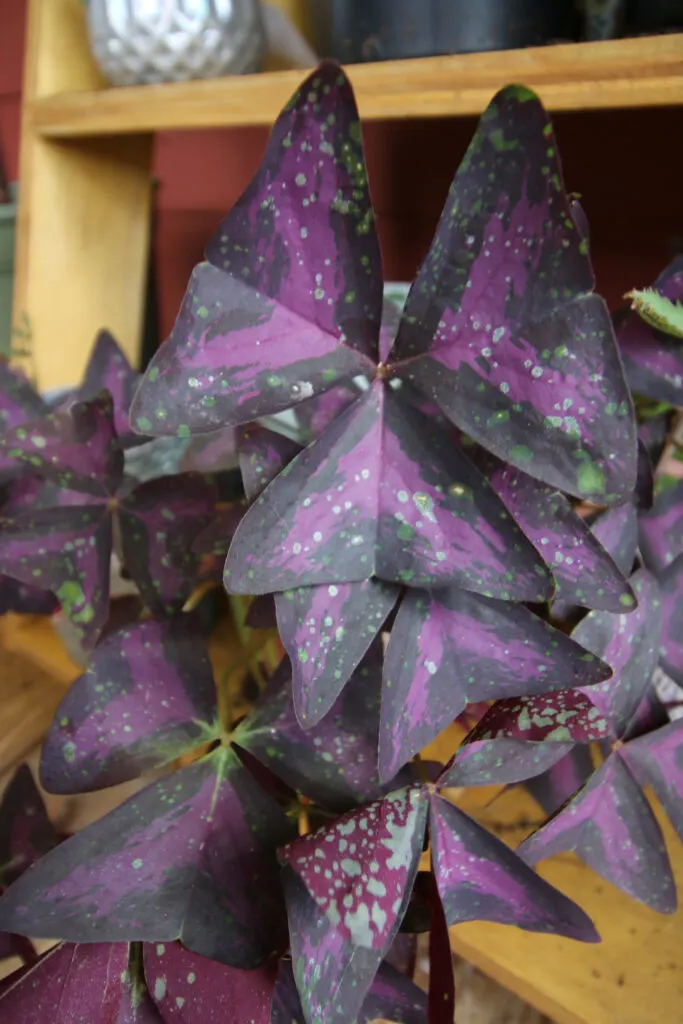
653, 360
500, 326
191, 857
609, 826
481, 879
383, 492
146, 698
450, 647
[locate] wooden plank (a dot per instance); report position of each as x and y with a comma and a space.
581, 76
28, 700
83, 221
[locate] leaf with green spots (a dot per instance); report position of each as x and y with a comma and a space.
289, 304
68, 552
501, 327
262, 455
653, 359
190, 857
71, 984
19, 404
146, 698
76, 447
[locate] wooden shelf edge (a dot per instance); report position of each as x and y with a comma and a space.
639, 72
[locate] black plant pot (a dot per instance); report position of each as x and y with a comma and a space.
353, 31
644, 16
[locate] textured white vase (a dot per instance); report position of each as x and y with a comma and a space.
138, 42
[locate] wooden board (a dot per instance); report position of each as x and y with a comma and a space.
581, 76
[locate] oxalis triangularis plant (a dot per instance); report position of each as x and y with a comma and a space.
416, 531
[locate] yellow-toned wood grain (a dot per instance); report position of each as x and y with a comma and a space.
581, 76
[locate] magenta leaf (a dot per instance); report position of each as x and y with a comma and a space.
192, 989
500, 326
671, 641
653, 360
189, 857
450, 647
160, 521
629, 644
76, 448
262, 455
661, 528
99, 983
523, 737
326, 630
146, 698
333, 763
556, 785
481, 879
584, 572
108, 368
66, 551
656, 759
609, 826
383, 492
269, 321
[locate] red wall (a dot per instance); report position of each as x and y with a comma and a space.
625, 164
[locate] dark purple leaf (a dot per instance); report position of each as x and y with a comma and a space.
656, 759
610, 826
617, 530
383, 492
76, 448
215, 538
160, 521
291, 300
500, 326
192, 989
334, 763
584, 572
211, 453
481, 879
315, 414
523, 737
651, 713
261, 614
66, 551
16, 945
450, 647
146, 698
262, 454
26, 833
653, 360
555, 786
108, 368
660, 531
25, 600
98, 984
671, 641
19, 401
629, 644
326, 631
653, 433
190, 857
645, 485
441, 980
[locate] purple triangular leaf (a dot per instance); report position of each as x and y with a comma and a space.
383, 492
190, 857
108, 368
76, 448
25, 600
326, 631
518, 739
609, 826
215, 538
333, 763
315, 414
66, 551
19, 401
500, 326
671, 640
450, 647
160, 521
26, 833
653, 433
555, 786
377, 849
211, 453
262, 455
660, 530
278, 322
657, 760
653, 360
99, 983
482, 879
146, 698
584, 572
617, 531
191, 989
629, 644
441, 979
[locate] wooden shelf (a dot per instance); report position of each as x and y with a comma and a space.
582, 76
